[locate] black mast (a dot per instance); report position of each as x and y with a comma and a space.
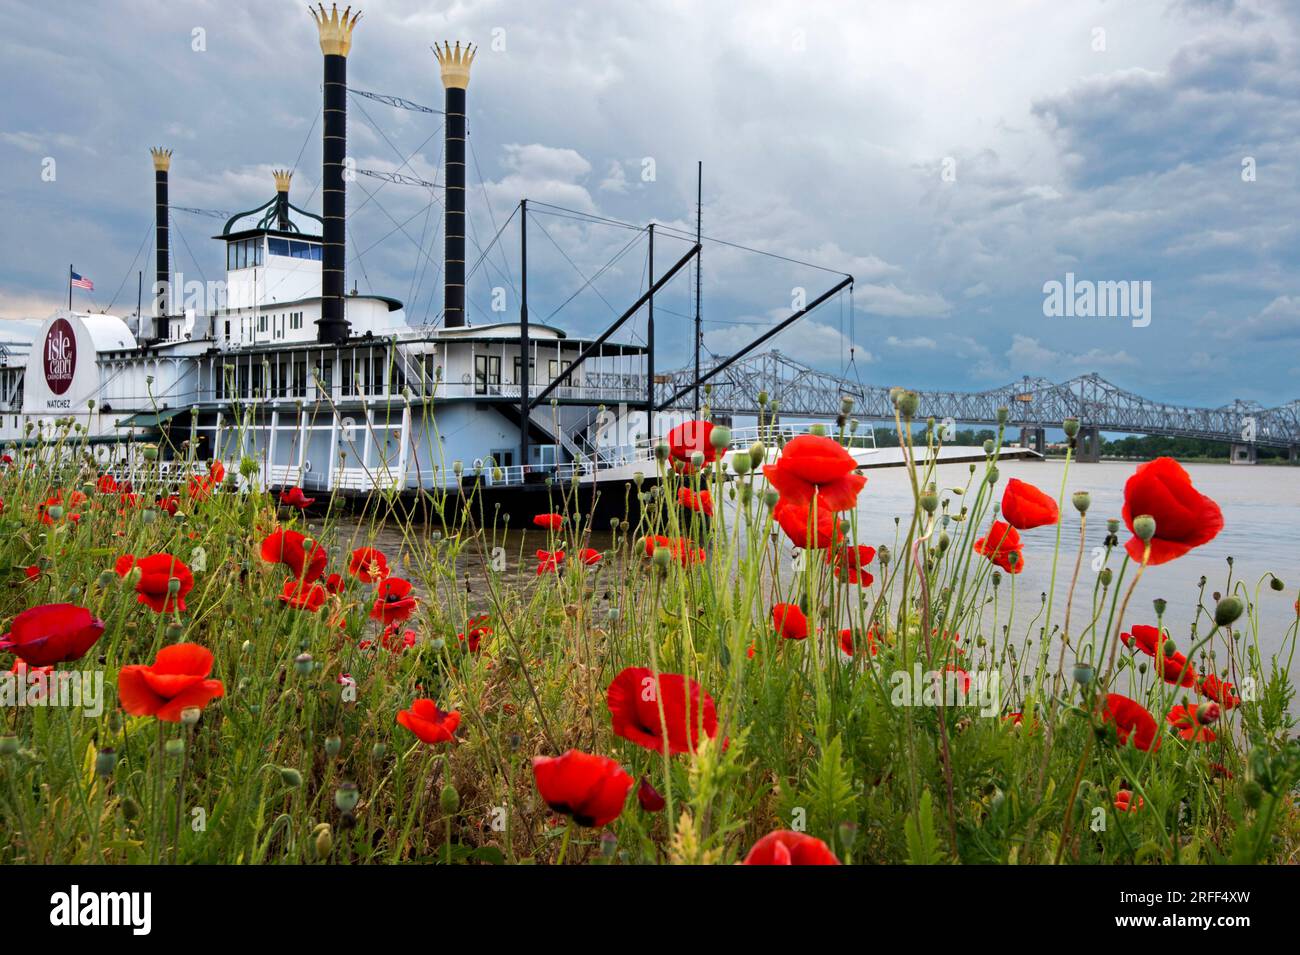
455, 63
335, 42
650, 346
162, 161
524, 355
699, 334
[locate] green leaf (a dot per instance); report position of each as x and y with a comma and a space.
922, 844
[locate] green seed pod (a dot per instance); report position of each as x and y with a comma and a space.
697, 459
1083, 673
449, 799
1253, 794
661, 452
992, 476
720, 438
662, 558
1004, 415
377, 752
332, 746
1159, 604
1070, 426
908, 402
1082, 501
1277, 584
740, 463
1105, 576
1144, 527
1227, 611
346, 797
770, 497
174, 747
302, 664
1112, 526
988, 449
105, 762
757, 453
323, 840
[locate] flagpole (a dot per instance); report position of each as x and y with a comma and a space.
69, 286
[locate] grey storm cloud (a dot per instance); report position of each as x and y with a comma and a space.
953, 157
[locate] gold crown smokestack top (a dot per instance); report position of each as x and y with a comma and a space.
455, 63
282, 179
335, 42
162, 162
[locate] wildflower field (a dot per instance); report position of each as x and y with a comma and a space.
730, 675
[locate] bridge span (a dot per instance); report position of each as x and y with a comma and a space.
1033, 404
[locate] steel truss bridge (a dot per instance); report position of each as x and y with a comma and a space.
1033, 404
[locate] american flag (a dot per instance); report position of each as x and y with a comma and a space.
79, 281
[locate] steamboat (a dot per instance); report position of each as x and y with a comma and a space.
291, 379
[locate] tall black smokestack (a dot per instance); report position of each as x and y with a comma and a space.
335, 42
162, 162
455, 64
282, 179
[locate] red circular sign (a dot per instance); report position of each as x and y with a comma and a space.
60, 356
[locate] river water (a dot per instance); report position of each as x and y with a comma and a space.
1261, 510
1261, 532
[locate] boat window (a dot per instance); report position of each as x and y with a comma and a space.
277, 246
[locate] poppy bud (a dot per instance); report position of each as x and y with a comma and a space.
720, 437
992, 476
762, 398
908, 402
1144, 526
290, 777
770, 497
105, 762
449, 799
996, 578
988, 449
324, 840
818, 429
106, 578
346, 797
332, 746
175, 631
1277, 584
1105, 576
115, 721
1207, 712
1227, 610
55, 512
302, 663
697, 459
1070, 426
174, 747
130, 809
882, 555
661, 452
190, 715
930, 501
1004, 415
662, 558
944, 541
8, 745
740, 463
1082, 501
1160, 604
437, 643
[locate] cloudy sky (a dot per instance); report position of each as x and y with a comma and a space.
953, 156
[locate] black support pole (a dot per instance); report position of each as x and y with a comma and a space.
454, 230
332, 327
162, 159
650, 346
524, 349
699, 238
784, 324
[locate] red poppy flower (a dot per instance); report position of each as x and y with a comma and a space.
368, 565
1178, 671
963, 678
548, 562
430, 724
170, 503
650, 798
1003, 547
590, 556
591, 789
304, 596
32, 572
1185, 518
784, 847
52, 633
286, 547
1145, 638
107, 484
688, 438
634, 698
701, 503
1125, 802
1131, 719
790, 621
157, 571
1183, 719
397, 639
1219, 691
848, 563
476, 630
1026, 507
814, 466
687, 552
848, 643
654, 541
795, 521
69, 510
393, 601
294, 497
550, 522
335, 583
175, 681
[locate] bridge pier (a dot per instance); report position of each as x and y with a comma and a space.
1243, 454
1034, 438
1088, 445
